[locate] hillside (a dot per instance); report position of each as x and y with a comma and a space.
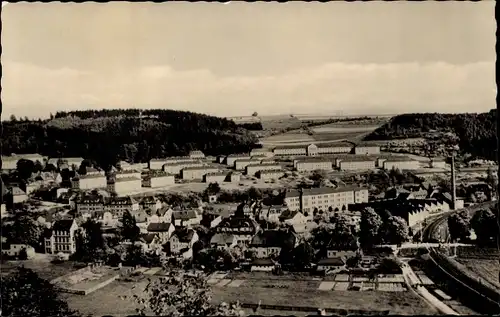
477, 133
110, 135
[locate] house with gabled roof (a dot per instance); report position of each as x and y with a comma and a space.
186, 218
61, 237
223, 241
268, 243
150, 202
164, 230
182, 241
118, 205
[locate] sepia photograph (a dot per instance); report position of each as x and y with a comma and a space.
249, 159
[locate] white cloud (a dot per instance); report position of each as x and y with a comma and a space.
352, 88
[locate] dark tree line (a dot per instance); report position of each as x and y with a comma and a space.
253, 126
476, 132
107, 136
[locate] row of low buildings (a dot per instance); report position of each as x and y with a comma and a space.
319, 149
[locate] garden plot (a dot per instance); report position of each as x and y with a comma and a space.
326, 286
213, 281
368, 286
342, 278
360, 279
392, 278
341, 286
236, 283
223, 282
391, 287
152, 271
86, 280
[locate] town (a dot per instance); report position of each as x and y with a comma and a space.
263, 218
249, 159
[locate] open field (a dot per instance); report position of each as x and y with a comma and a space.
288, 137
334, 128
486, 269
408, 304
45, 269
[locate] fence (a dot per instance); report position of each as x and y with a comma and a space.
336, 311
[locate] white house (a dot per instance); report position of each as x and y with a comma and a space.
61, 238
163, 230
186, 218
182, 242
13, 250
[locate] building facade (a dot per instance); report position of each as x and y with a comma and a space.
325, 198
353, 165
158, 180
252, 169
367, 149
118, 205
196, 155
271, 174
240, 165
61, 238
403, 164
84, 182
123, 186
176, 168
219, 177
313, 165
192, 173
230, 159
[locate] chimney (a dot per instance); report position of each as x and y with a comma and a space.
453, 184
301, 194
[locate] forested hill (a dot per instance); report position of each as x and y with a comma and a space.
110, 135
477, 132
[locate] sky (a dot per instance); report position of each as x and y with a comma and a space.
236, 58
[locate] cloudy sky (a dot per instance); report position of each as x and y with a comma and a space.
233, 59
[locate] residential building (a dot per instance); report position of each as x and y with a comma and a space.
334, 148
268, 243
13, 250
325, 198
125, 166
223, 241
18, 195
70, 161
240, 165
230, 159
244, 228
84, 182
10, 162
295, 219
186, 218
366, 149
262, 151
210, 220
345, 254
151, 203
118, 205
158, 179
270, 174
290, 150
3, 211
252, 169
162, 215
218, 177
176, 168
181, 242
90, 204
331, 263
235, 177
128, 174
61, 238
401, 164
262, 265
358, 164
196, 155
414, 211
163, 230
272, 214
192, 173
308, 165
124, 186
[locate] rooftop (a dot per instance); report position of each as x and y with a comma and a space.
200, 168
159, 226
271, 172
264, 164
323, 191
184, 235
62, 225
184, 214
